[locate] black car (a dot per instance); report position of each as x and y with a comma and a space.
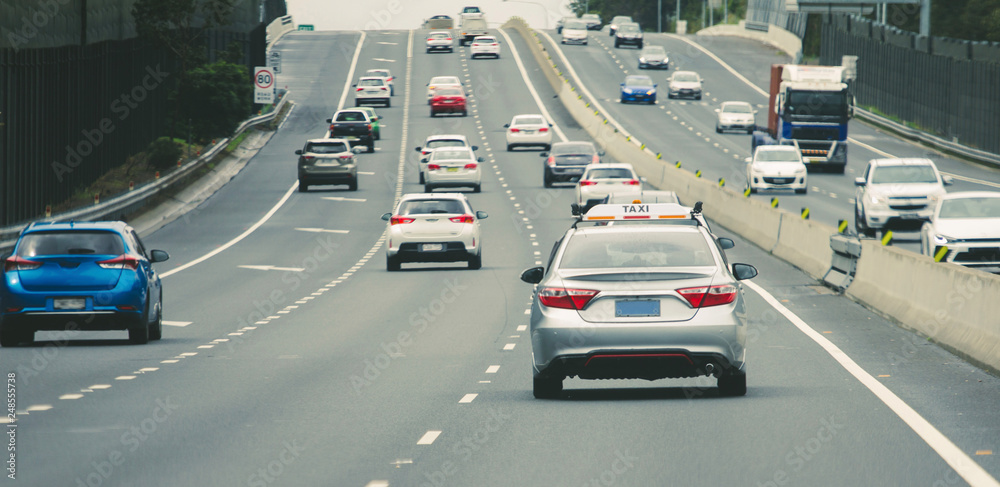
567, 160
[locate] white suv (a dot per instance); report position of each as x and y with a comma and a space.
440, 227
372, 89
897, 193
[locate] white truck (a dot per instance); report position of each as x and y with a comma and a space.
470, 26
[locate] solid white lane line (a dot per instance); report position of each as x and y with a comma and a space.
350, 72
429, 437
492, 369
341, 198
531, 87
466, 399
974, 474
176, 323
236, 240
321, 230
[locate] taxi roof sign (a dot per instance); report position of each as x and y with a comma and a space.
638, 211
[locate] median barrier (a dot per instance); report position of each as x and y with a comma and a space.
952, 305
773, 35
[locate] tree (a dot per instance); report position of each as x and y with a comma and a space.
216, 98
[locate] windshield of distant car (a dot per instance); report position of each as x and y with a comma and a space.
371, 82
572, 149
439, 143
448, 92
327, 147
970, 208
736, 108
628, 29
636, 249
529, 121
654, 51
575, 25
778, 156
379, 72
609, 173
447, 154
639, 81
904, 174
685, 77
70, 243
424, 207
351, 117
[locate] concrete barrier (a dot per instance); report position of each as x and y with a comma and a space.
955, 306
782, 39
279, 27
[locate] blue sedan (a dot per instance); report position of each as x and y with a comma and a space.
638, 88
80, 276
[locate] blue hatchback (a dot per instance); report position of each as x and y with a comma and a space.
80, 276
638, 88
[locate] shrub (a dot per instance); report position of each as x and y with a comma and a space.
163, 153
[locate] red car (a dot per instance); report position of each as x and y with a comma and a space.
448, 100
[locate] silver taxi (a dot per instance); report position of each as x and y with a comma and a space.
636, 301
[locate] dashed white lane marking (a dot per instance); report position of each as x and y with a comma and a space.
169, 361
176, 323
39, 407
146, 370
466, 399
974, 474
522, 327
368, 173
70, 397
484, 382
189, 354
429, 437
100, 387
321, 230
509, 346
271, 268
378, 483
341, 198
492, 369
527, 311
125, 377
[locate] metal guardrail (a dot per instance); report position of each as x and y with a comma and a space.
131, 201
933, 140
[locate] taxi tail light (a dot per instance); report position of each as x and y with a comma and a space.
432, 167
120, 262
16, 263
551, 161
632, 182
471, 165
399, 220
584, 182
565, 298
705, 296
543, 129
462, 219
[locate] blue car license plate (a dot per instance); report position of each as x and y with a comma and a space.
635, 308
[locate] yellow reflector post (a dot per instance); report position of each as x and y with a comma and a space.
774, 202
939, 255
842, 226
887, 237
805, 213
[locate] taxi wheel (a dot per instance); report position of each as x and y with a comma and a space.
733, 384
545, 388
13, 338
476, 261
392, 263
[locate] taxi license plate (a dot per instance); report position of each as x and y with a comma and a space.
636, 308
69, 303
452, 169
432, 247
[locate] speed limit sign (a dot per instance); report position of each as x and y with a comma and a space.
263, 84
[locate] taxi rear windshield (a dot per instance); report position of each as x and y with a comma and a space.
70, 243
424, 207
638, 249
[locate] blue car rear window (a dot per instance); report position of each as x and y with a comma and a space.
70, 243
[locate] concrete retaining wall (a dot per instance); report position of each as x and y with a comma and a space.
952, 305
279, 27
782, 39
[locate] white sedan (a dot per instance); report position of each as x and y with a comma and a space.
384, 74
453, 167
735, 115
601, 180
776, 167
529, 130
440, 41
964, 229
440, 227
437, 142
441, 82
485, 46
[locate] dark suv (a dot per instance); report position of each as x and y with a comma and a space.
628, 34
80, 276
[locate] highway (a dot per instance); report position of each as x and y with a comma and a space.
292, 357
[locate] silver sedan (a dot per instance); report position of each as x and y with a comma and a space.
639, 301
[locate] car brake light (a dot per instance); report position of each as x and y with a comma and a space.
704, 296
471, 165
359, 89
384, 88
551, 161
584, 182
308, 158
432, 167
515, 130
632, 182
565, 298
120, 262
448, 39
369, 126
346, 158
543, 129
397, 220
494, 44
596, 159
16, 263
462, 219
